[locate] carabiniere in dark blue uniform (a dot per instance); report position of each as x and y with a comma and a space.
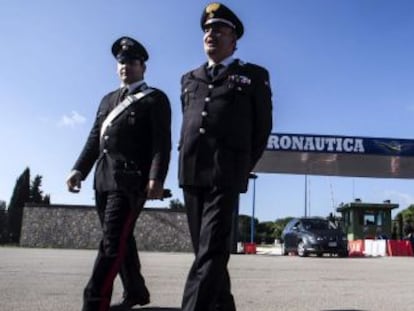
130, 150
227, 119
226, 123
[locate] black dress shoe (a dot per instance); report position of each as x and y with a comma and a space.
128, 302
227, 305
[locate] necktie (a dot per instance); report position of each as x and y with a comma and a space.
215, 70
124, 93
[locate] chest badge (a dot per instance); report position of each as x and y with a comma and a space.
240, 80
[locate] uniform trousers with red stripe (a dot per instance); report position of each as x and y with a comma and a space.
117, 253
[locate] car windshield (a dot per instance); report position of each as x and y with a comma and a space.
316, 224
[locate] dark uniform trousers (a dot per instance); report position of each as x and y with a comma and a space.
226, 122
209, 218
117, 252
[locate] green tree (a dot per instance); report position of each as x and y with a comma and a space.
244, 227
408, 213
399, 220
46, 199
20, 196
176, 204
36, 194
265, 232
3, 222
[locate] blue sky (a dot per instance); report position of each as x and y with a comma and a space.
342, 67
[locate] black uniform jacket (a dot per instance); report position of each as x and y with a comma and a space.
134, 148
226, 124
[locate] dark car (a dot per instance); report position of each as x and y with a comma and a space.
318, 236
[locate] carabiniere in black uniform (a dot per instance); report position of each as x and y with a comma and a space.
133, 148
226, 123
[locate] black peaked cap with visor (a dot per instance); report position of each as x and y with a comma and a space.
126, 49
218, 13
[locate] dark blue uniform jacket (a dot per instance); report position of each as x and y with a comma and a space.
226, 124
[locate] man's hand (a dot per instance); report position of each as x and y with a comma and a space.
154, 190
74, 181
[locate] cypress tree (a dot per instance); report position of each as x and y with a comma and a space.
36, 195
3, 222
20, 196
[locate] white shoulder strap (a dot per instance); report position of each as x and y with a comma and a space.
122, 106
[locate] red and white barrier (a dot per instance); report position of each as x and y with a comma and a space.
358, 248
399, 248
375, 248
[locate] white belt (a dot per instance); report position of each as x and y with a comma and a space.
122, 106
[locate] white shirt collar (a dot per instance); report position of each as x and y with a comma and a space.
225, 62
133, 86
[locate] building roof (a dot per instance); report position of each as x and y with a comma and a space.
386, 205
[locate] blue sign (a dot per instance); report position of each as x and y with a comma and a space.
340, 144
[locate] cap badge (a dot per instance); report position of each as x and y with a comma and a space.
212, 7
126, 43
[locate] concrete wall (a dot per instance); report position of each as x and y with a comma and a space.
75, 226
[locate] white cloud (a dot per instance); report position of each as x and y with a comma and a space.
72, 120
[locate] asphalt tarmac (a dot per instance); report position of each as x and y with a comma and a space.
53, 280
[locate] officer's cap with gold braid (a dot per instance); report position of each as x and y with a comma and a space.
126, 48
218, 13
